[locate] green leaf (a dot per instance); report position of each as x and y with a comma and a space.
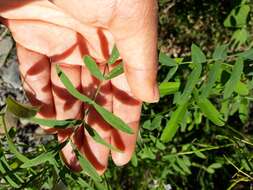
93, 68
84, 184
160, 145
118, 70
244, 110
234, 78
215, 165
70, 87
187, 160
174, 122
197, 55
11, 145
183, 165
114, 56
170, 74
238, 16
44, 157
114, 121
210, 170
242, 89
210, 111
96, 137
61, 124
220, 52
178, 169
134, 160
167, 88
146, 153
166, 60
156, 122
13, 181
190, 84
87, 166
212, 78
147, 124
11, 177
198, 153
20, 110
240, 36
248, 54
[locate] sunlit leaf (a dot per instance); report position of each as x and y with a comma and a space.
61, 124
114, 56
96, 137
242, 89
174, 123
114, 121
238, 16
109, 117
171, 73
210, 111
93, 68
87, 166
70, 87
167, 88
118, 70
190, 84
197, 55
134, 160
166, 60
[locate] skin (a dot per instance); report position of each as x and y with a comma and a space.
62, 32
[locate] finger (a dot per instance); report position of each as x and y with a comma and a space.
66, 106
128, 109
96, 153
47, 39
134, 28
35, 74
46, 23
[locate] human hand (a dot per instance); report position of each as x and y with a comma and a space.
47, 35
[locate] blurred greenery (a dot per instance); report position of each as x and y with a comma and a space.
199, 136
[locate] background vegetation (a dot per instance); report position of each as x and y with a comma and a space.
199, 136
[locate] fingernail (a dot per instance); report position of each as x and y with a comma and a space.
156, 94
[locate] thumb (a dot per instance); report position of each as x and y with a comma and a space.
134, 28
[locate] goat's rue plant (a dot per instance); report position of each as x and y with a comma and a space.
50, 155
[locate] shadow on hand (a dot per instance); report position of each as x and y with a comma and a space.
13, 4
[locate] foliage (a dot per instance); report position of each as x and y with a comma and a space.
199, 136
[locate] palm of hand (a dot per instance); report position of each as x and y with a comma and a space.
57, 38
